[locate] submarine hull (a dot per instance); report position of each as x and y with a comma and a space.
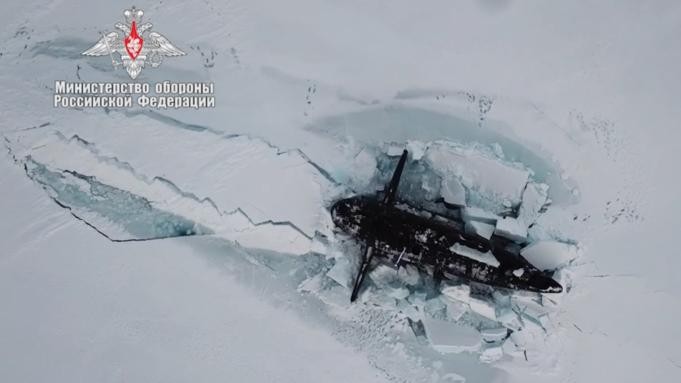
427, 241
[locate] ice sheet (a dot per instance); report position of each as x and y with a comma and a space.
234, 204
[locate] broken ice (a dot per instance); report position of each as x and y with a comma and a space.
449, 337
549, 255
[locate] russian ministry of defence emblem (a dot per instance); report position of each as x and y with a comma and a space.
135, 44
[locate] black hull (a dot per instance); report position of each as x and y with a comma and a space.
402, 237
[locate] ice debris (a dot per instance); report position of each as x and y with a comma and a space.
479, 256
453, 192
488, 176
341, 272
481, 229
363, 169
460, 293
535, 196
512, 229
394, 150
509, 319
455, 309
417, 149
399, 293
409, 275
436, 308
491, 354
483, 308
392, 282
384, 276
449, 337
476, 214
494, 335
549, 255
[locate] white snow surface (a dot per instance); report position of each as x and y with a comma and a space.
580, 96
231, 204
77, 307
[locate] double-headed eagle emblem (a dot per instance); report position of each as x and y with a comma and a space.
135, 44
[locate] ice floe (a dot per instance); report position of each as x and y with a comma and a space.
450, 337
453, 192
461, 293
493, 335
483, 308
549, 255
476, 214
341, 272
535, 196
479, 256
477, 171
482, 229
509, 319
512, 229
491, 354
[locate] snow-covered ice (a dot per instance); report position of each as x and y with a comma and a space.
549, 255
476, 214
492, 335
455, 309
453, 192
484, 230
460, 293
483, 308
512, 229
509, 319
341, 272
534, 198
492, 179
451, 337
491, 354
479, 256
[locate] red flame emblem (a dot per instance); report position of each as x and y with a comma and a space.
133, 42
